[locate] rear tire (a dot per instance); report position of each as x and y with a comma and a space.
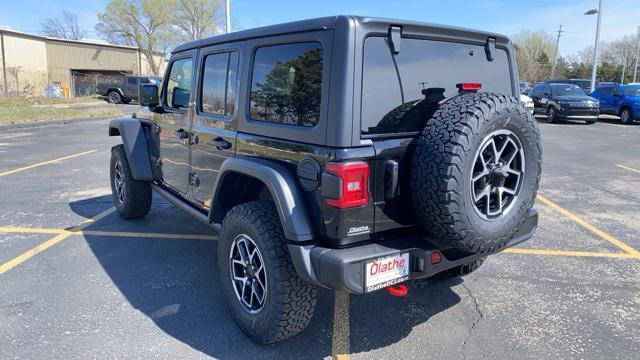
131, 197
288, 302
476, 170
114, 97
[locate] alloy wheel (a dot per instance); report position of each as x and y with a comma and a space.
118, 181
497, 174
248, 273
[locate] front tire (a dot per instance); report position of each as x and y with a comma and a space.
131, 197
625, 117
551, 115
267, 299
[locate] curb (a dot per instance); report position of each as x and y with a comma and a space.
53, 122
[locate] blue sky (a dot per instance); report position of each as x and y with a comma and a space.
620, 17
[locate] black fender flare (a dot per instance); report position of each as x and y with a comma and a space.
284, 189
135, 145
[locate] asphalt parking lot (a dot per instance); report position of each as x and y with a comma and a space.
76, 281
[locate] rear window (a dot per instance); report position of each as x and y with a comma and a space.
428, 72
286, 84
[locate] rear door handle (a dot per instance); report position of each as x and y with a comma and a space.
220, 143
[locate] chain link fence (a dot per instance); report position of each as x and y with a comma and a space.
16, 82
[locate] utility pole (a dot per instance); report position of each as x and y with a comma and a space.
635, 70
555, 53
227, 14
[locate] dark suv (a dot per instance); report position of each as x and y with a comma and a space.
344, 152
564, 102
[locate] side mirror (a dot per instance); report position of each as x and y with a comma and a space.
545, 94
148, 95
617, 94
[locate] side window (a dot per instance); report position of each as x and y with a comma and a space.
606, 90
132, 81
616, 91
178, 88
286, 84
144, 80
218, 91
546, 90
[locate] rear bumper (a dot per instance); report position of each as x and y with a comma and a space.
343, 269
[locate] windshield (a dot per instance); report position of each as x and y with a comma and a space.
631, 90
566, 89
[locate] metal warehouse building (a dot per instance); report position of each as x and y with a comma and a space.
30, 63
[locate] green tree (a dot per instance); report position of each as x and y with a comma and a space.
534, 50
145, 24
196, 19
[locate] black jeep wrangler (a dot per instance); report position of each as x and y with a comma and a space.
345, 152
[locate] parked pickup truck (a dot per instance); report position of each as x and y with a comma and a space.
345, 152
126, 90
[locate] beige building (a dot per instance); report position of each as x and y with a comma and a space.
29, 63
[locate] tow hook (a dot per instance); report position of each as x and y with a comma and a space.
399, 290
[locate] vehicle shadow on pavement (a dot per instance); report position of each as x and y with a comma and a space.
379, 319
175, 283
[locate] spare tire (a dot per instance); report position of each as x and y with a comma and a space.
476, 170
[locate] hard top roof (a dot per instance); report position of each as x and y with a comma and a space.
324, 23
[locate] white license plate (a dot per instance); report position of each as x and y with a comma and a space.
386, 271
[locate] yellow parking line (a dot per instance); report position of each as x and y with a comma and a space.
46, 163
11, 229
570, 253
49, 243
628, 168
588, 226
341, 333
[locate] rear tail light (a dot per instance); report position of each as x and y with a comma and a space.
469, 87
354, 177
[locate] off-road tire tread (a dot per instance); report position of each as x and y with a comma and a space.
438, 166
296, 299
138, 193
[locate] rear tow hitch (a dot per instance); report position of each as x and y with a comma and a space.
399, 290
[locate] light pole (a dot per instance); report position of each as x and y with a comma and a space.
594, 68
227, 15
624, 64
635, 69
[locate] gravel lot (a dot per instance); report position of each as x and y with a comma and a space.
109, 289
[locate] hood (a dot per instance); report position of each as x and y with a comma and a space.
525, 98
575, 98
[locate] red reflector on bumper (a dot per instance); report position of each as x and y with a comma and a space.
435, 258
